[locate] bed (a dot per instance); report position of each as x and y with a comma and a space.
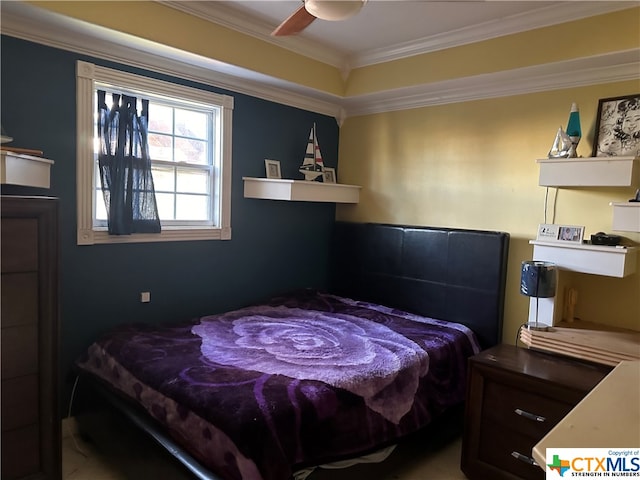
309, 377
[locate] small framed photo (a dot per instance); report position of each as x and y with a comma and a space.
273, 168
617, 127
560, 233
329, 175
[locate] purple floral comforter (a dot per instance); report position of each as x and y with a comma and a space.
305, 379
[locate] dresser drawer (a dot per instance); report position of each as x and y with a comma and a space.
21, 453
19, 296
522, 411
508, 450
19, 245
19, 355
19, 402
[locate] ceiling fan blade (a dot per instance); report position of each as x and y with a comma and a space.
297, 21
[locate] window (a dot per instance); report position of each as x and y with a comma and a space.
190, 149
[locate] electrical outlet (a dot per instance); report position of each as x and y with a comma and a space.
145, 297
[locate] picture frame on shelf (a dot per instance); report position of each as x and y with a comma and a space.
329, 175
617, 130
272, 168
551, 232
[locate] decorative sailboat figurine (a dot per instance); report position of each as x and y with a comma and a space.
312, 166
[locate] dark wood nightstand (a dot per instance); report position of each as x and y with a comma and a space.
514, 397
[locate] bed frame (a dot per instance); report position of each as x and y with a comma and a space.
445, 273
450, 274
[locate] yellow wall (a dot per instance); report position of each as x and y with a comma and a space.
473, 165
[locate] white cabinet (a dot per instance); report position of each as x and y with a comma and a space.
593, 259
300, 190
626, 216
27, 170
589, 172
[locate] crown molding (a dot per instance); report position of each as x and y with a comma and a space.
539, 18
29, 23
542, 17
606, 68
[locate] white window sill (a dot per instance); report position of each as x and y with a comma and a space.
168, 234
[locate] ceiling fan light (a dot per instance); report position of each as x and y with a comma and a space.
333, 10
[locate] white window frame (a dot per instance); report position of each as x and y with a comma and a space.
87, 74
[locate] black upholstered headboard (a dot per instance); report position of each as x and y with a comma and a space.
450, 274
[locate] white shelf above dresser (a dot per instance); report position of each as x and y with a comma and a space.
25, 170
626, 216
593, 259
300, 190
589, 172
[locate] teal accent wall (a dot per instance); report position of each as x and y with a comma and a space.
275, 246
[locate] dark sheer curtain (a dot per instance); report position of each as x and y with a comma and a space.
125, 166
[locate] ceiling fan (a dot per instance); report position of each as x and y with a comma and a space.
331, 10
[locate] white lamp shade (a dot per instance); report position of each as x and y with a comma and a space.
333, 9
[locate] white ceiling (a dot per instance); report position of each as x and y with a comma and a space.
388, 29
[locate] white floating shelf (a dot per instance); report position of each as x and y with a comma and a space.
626, 216
593, 259
589, 172
27, 170
300, 190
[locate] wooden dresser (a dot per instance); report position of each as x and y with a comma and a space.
514, 397
30, 405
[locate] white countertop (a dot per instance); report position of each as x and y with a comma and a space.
609, 416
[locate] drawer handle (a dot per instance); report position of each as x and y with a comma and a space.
530, 416
524, 458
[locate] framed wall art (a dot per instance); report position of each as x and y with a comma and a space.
273, 168
618, 127
329, 175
